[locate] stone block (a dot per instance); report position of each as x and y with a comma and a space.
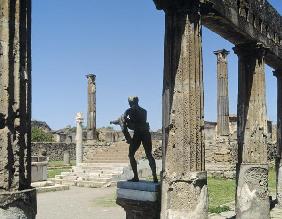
39, 171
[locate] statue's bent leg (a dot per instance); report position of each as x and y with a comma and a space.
147, 144
135, 144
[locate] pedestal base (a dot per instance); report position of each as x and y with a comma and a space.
18, 205
139, 199
252, 199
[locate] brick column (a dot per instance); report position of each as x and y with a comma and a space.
278, 74
17, 198
222, 93
91, 115
184, 180
252, 198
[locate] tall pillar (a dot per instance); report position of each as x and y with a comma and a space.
91, 114
252, 197
184, 179
17, 198
79, 147
222, 93
278, 74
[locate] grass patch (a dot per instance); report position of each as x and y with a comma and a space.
53, 172
59, 163
219, 209
272, 179
106, 201
221, 191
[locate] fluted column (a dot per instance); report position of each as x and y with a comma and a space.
252, 199
91, 114
184, 180
278, 74
17, 198
79, 133
222, 93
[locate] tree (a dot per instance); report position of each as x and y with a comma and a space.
38, 135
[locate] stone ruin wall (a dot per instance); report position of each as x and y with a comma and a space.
220, 151
54, 150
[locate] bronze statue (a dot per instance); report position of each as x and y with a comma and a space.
135, 118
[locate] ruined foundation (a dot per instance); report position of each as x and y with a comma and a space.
188, 197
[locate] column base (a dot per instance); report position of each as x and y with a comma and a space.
139, 199
18, 205
186, 197
252, 200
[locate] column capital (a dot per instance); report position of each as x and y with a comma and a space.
91, 77
221, 55
178, 5
254, 49
277, 73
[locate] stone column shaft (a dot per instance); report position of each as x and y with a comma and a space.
252, 199
222, 93
184, 182
278, 74
79, 133
15, 110
91, 115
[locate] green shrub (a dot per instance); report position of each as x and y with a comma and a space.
38, 135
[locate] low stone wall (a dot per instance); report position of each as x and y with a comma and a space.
53, 150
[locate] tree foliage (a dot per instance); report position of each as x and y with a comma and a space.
38, 135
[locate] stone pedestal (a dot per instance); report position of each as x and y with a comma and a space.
19, 204
39, 169
139, 199
252, 192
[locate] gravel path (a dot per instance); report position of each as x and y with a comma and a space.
77, 203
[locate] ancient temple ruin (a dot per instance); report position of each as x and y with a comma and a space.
253, 26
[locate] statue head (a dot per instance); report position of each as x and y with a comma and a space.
133, 101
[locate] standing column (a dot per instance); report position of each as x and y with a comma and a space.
278, 74
184, 181
79, 147
252, 198
222, 93
17, 199
91, 114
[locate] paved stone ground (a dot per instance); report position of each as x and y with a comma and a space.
77, 203
81, 203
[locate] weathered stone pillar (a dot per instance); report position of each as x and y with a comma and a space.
278, 74
91, 114
184, 179
17, 198
79, 147
252, 197
222, 93
67, 157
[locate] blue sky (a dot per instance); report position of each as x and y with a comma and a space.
122, 43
